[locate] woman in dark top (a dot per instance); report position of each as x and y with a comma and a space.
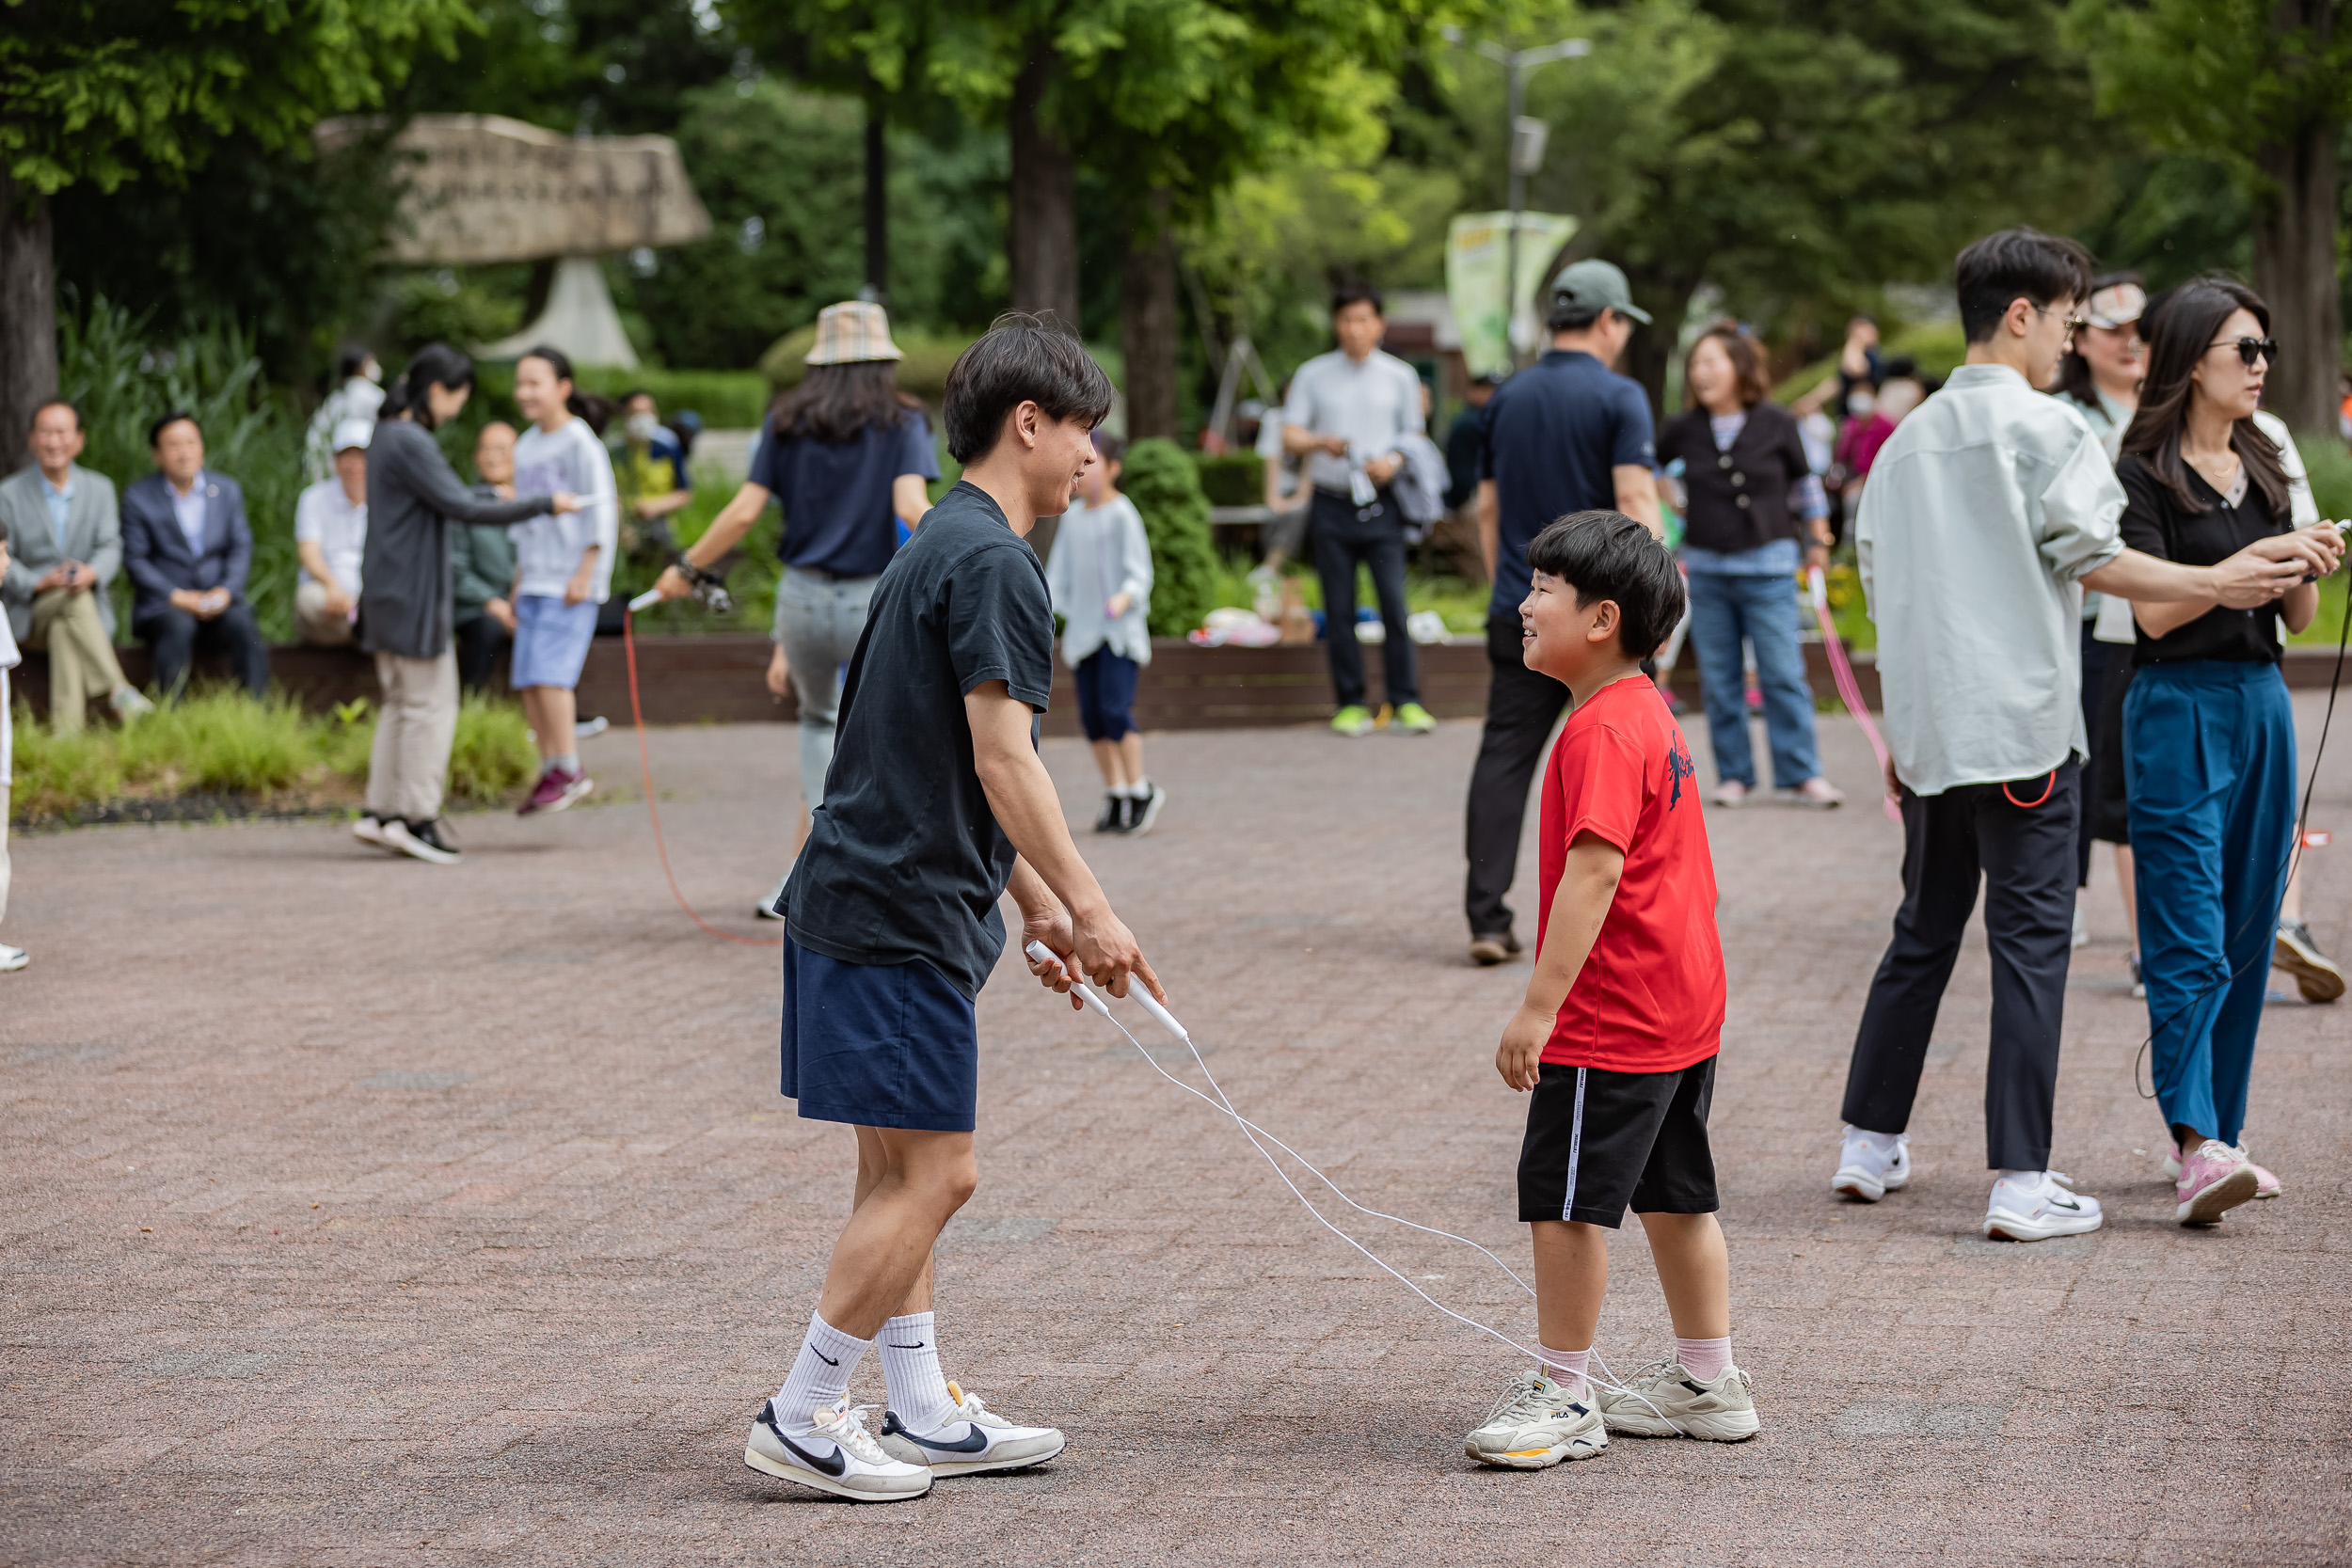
2209, 736
847, 455
405, 600
1749, 496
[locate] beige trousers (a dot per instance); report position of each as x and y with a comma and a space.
410, 765
82, 662
315, 625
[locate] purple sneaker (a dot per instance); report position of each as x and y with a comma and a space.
557, 789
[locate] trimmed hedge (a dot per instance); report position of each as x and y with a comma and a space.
1160, 478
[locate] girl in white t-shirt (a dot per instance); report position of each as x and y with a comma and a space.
1100, 576
563, 567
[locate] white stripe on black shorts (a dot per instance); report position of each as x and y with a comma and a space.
1599, 1142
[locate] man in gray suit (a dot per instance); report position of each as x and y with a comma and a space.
65, 546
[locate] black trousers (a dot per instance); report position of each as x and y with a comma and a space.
1521, 707
480, 641
178, 636
2025, 855
2094, 683
1344, 534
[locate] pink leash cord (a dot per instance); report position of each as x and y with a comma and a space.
1847, 691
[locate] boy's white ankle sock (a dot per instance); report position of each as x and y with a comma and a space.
568, 762
1705, 1359
1567, 1367
910, 1358
1140, 789
820, 1375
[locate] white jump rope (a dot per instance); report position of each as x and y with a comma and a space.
1039, 953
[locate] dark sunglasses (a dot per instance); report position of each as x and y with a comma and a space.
2248, 347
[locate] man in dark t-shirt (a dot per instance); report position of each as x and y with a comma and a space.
1566, 435
936, 805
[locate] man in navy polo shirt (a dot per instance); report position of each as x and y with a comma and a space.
1566, 435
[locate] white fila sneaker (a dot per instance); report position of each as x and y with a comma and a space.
980, 1440
2035, 1213
841, 1456
1535, 1425
1869, 1166
1663, 1400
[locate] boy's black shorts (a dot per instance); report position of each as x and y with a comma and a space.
1598, 1141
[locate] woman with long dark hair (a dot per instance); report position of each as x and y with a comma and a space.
2209, 734
847, 454
406, 600
1750, 497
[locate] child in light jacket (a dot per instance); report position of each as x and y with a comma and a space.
1100, 575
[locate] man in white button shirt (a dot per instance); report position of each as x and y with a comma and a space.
1350, 413
1989, 511
331, 535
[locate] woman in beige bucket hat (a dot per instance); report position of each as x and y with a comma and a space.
848, 455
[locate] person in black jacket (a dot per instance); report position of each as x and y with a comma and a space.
1749, 496
406, 600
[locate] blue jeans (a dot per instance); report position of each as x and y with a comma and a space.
1727, 610
2210, 758
819, 619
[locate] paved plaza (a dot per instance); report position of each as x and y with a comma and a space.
359, 1211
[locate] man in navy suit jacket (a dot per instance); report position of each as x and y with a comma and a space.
187, 547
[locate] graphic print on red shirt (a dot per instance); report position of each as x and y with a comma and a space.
1650, 996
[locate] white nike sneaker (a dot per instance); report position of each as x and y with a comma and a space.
1535, 1425
1869, 1167
1663, 1400
841, 1456
981, 1440
2038, 1208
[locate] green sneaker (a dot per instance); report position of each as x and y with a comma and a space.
1352, 720
1415, 719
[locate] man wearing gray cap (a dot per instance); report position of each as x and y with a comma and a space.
1566, 435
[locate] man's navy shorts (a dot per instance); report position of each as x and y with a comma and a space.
878, 1045
1598, 1141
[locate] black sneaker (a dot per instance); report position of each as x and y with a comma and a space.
1142, 813
1113, 818
423, 840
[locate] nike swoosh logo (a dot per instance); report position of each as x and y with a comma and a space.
831, 1465
972, 1441
822, 1356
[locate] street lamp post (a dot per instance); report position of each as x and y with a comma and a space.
1526, 144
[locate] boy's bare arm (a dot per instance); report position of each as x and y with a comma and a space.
1588, 884
1021, 795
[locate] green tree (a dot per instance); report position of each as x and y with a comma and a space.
110, 90
2260, 86
1170, 101
1793, 155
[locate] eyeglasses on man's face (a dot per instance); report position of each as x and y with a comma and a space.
2248, 348
2074, 323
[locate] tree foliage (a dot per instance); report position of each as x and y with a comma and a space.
105, 91
1165, 485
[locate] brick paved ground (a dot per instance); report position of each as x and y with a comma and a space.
358, 1212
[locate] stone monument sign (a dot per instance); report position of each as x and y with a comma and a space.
483, 188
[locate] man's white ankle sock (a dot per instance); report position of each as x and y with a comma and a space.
1705, 1359
917, 1388
1140, 790
1567, 1367
820, 1375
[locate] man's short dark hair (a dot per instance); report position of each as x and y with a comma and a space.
1020, 358
47, 404
2016, 263
1357, 293
156, 431
1607, 555
1569, 316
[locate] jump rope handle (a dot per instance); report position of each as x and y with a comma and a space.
1819, 587
1039, 953
645, 601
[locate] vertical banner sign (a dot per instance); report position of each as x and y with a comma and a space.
1476, 246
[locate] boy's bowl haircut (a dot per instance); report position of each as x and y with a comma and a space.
1020, 358
1607, 555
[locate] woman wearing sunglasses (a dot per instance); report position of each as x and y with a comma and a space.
2208, 730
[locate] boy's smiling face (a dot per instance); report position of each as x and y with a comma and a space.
1561, 639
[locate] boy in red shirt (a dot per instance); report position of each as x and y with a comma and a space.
1618, 1033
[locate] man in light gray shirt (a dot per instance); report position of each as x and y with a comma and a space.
1989, 511
1350, 413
